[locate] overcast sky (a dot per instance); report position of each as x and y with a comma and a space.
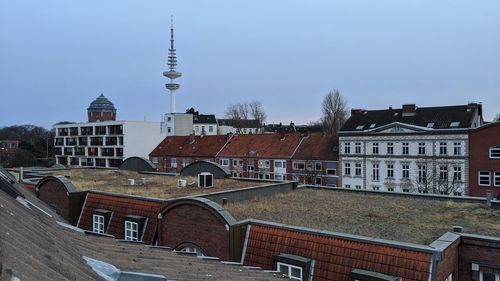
58, 56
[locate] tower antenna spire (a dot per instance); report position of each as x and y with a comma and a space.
172, 74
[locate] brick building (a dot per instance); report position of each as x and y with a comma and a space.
484, 160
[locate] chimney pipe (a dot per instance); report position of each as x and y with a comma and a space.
489, 197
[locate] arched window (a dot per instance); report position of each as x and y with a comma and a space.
495, 152
192, 250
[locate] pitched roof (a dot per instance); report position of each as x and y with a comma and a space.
441, 117
318, 146
261, 145
334, 257
35, 247
121, 206
204, 119
179, 146
239, 123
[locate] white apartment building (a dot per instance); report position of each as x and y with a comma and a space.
184, 124
105, 143
410, 149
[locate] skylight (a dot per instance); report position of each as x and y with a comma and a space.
373, 125
454, 124
395, 114
430, 125
360, 127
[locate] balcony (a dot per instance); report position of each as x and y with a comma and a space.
87, 131
111, 140
73, 131
83, 141
100, 130
107, 152
96, 141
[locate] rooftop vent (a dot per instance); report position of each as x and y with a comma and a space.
430, 125
356, 111
409, 110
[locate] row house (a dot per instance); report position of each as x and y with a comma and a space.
410, 149
484, 159
307, 158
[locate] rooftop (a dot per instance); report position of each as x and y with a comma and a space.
413, 220
157, 186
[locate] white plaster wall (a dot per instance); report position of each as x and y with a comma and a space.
140, 138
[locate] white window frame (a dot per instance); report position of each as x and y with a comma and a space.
390, 148
405, 168
347, 169
98, 224
224, 162
347, 148
357, 148
457, 148
375, 171
390, 171
358, 171
443, 172
497, 276
457, 173
330, 173
131, 234
421, 148
443, 148
405, 148
375, 147
173, 162
483, 175
496, 178
495, 152
289, 267
297, 163
318, 164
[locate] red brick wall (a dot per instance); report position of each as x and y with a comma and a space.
193, 222
55, 194
479, 143
449, 263
483, 252
101, 116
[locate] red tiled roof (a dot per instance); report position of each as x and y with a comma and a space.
121, 206
261, 145
179, 146
318, 146
335, 258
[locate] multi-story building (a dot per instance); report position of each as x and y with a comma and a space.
484, 160
409, 149
239, 126
103, 141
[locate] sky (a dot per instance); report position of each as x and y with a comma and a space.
58, 56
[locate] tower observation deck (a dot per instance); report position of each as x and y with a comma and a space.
172, 74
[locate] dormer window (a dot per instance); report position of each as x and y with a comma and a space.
373, 125
495, 152
360, 127
365, 275
454, 124
395, 114
430, 125
133, 227
100, 220
292, 266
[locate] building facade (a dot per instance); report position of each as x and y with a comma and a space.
484, 168
411, 149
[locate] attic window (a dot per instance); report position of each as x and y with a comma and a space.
100, 220
395, 114
294, 267
133, 228
373, 125
454, 124
360, 127
430, 125
365, 275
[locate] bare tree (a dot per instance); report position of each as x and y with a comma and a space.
438, 177
257, 112
233, 112
497, 118
335, 111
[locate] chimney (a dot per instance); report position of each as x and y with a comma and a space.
409, 109
282, 135
191, 138
356, 111
457, 228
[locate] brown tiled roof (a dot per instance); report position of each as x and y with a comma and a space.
441, 116
35, 247
334, 257
318, 146
121, 206
179, 146
261, 145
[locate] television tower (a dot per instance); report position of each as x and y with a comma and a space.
172, 74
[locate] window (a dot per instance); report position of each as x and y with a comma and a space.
169, 129
331, 172
264, 163
390, 148
360, 127
131, 231
98, 224
406, 148
299, 165
347, 186
376, 188
291, 271
347, 169
421, 148
375, 148
192, 250
358, 186
489, 276
210, 129
347, 148
457, 148
390, 189
373, 125
357, 169
318, 181
484, 178
224, 162
390, 170
235, 163
422, 174
497, 179
169, 119
318, 166
443, 173
357, 148
197, 129
375, 172
203, 129
406, 171
454, 124
495, 152
443, 148
173, 162
457, 173
279, 177
430, 125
